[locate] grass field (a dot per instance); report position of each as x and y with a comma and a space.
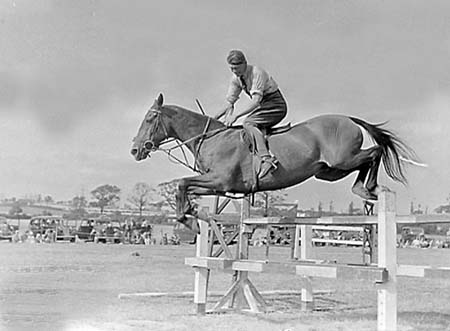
76, 286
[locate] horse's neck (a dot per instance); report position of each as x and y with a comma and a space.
189, 125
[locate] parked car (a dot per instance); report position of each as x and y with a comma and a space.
55, 226
85, 230
7, 230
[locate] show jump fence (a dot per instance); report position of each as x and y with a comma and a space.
243, 294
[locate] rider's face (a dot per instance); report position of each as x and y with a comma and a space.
238, 69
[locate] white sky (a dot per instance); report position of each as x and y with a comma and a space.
76, 78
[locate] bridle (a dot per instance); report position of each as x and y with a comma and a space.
150, 145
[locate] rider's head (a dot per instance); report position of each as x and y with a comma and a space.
237, 62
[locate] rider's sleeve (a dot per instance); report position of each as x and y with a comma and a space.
234, 90
259, 82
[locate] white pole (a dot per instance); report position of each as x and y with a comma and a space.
387, 258
306, 253
201, 274
297, 242
306, 242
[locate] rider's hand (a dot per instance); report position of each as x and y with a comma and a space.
227, 110
230, 119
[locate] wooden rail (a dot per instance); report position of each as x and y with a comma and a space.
243, 293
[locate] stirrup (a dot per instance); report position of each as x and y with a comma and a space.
268, 164
272, 160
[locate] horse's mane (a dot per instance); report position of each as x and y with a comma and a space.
195, 115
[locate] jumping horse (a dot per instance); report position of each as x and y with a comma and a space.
328, 147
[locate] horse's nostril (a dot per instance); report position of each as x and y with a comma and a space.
134, 151
149, 145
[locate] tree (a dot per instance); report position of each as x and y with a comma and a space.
15, 210
442, 209
79, 203
105, 195
319, 208
141, 196
445, 208
48, 199
168, 191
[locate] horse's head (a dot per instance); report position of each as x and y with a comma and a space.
151, 132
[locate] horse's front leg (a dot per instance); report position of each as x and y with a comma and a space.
207, 184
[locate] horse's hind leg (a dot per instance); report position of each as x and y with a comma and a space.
359, 188
366, 162
331, 174
372, 182
368, 169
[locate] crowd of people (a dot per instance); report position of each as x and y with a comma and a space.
423, 242
143, 233
127, 233
28, 236
284, 237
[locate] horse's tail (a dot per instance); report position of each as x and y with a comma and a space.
394, 150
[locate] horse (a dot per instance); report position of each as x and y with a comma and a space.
328, 147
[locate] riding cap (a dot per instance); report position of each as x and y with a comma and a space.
236, 57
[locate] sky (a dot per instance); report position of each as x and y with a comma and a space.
77, 77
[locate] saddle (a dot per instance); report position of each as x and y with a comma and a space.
278, 129
245, 136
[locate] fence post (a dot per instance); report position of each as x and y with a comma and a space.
306, 253
387, 258
297, 242
201, 274
242, 249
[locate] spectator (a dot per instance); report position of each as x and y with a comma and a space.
16, 237
30, 237
38, 238
164, 239
147, 238
415, 243
175, 239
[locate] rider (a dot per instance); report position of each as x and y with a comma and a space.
267, 106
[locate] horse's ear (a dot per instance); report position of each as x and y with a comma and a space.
160, 100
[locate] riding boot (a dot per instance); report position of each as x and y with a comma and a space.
268, 162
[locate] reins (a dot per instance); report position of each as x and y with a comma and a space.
181, 144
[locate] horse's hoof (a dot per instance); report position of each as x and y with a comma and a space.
195, 226
364, 193
373, 197
181, 219
190, 223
